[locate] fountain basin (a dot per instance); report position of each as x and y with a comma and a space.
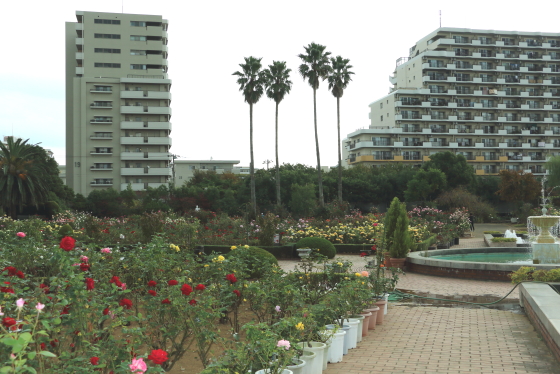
424, 263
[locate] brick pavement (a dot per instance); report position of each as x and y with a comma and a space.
429, 340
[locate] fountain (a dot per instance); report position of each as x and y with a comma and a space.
512, 234
545, 250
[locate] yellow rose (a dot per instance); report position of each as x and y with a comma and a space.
358, 274
300, 326
233, 247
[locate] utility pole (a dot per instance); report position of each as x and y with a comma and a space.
267, 162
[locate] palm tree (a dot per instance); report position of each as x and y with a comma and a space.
278, 84
251, 84
22, 176
314, 68
338, 81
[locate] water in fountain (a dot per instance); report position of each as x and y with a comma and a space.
512, 234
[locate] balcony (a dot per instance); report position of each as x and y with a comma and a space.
145, 110
96, 153
100, 122
410, 116
160, 95
101, 105
101, 183
101, 137
159, 156
146, 125
151, 140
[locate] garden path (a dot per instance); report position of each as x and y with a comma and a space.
428, 339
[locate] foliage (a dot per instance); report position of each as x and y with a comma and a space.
455, 167
518, 186
552, 167
503, 240
401, 241
461, 198
303, 199
425, 185
22, 176
321, 245
267, 228
257, 261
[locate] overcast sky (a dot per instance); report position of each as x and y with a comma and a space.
207, 42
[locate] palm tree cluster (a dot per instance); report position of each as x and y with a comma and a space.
316, 65
22, 176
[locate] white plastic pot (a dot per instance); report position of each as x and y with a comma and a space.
316, 367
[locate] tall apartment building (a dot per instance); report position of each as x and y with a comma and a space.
117, 102
491, 96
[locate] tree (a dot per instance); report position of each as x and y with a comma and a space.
455, 168
553, 170
314, 68
517, 186
425, 185
251, 84
278, 84
22, 176
338, 80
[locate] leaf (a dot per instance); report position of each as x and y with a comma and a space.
31, 355
57, 321
47, 354
26, 337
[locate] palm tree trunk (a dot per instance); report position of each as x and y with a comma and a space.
278, 201
338, 147
252, 166
319, 171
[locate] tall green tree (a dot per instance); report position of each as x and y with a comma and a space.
22, 176
251, 83
455, 168
315, 68
338, 80
278, 85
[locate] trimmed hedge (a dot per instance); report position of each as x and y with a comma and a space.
283, 251
324, 247
257, 260
503, 240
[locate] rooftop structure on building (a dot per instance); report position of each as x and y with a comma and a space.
117, 102
491, 96
184, 170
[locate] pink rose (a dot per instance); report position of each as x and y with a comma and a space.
21, 234
283, 343
138, 366
106, 250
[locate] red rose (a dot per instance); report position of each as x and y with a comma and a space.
192, 302
126, 303
11, 270
116, 281
94, 360
44, 287
152, 292
363, 254
152, 283
68, 243
172, 282
105, 311
90, 284
20, 274
158, 356
186, 289
65, 310
231, 278
8, 322
165, 301
237, 293
43, 346
53, 343
84, 266
200, 287
7, 290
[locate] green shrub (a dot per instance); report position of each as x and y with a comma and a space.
323, 246
524, 273
503, 240
257, 260
65, 230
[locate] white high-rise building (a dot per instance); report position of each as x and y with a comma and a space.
491, 96
117, 102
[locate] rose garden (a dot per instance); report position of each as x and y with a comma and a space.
80, 294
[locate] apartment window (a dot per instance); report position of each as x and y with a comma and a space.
138, 67
102, 119
138, 38
103, 134
381, 118
460, 39
102, 103
508, 41
486, 65
485, 40
103, 88
193, 167
487, 103
381, 105
138, 23
102, 181
107, 21
103, 166
107, 50
106, 65
137, 52
485, 52
107, 36
103, 150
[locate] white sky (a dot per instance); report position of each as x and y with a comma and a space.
207, 41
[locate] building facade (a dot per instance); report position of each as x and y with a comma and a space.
491, 96
184, 170
118, 114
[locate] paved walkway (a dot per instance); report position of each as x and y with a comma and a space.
429, 339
